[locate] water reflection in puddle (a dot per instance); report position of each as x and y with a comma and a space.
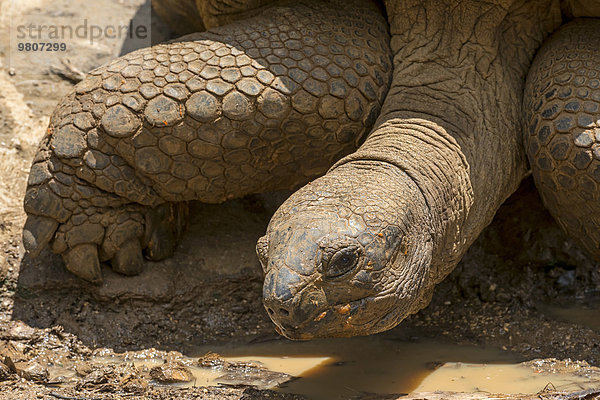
585, 314
342, 368
378, 365
348, 368
500, 378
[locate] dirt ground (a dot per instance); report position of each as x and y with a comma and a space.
210, 291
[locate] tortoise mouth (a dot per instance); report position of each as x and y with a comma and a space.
344, 319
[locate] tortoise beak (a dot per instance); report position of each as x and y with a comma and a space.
291, 303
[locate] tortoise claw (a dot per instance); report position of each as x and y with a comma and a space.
128, 260
38, 231
82, 260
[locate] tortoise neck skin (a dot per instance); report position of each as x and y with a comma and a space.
441, 159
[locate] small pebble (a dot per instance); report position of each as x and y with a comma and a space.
173, 372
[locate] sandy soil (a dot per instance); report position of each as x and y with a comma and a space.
210, 291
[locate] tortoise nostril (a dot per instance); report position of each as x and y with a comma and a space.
285, 312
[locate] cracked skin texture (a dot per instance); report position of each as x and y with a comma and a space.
274, 94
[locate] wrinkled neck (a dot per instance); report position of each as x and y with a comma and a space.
461, 31
429, 157
451, 119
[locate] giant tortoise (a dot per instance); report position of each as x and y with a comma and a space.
408, 122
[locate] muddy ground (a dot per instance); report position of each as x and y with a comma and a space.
210, 291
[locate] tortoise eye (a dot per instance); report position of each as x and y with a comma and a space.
341, 262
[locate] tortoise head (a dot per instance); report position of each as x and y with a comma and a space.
347, 254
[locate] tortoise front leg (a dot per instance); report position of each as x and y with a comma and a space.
264, 104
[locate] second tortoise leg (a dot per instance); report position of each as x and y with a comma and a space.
264, 104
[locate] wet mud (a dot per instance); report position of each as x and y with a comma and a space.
383, 366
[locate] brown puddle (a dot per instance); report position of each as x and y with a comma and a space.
585, 314
345, 368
